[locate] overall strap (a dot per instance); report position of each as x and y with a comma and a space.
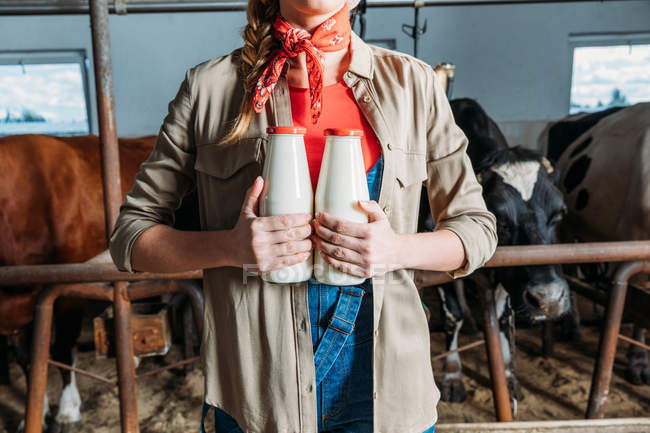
339, 328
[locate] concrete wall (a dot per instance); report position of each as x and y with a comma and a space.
515, 59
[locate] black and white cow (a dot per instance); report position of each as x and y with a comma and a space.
604, 159
519, 187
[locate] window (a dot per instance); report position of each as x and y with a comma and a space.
44, 92
609, 71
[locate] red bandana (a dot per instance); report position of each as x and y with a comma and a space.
332, 35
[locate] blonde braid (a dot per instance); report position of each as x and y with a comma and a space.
258, 44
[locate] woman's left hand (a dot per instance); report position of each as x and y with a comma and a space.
362, 250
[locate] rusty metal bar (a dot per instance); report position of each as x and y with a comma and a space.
106, 111
80, 273
169, 367
460, 349
112, 188
504, 256
500, 393
608, 338
125, 360
82, 372
40, 355
79, 7
570, 253
633, 341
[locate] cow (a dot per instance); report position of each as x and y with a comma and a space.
520, 188
51, 212
592, 151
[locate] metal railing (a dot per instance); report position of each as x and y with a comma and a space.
504, 256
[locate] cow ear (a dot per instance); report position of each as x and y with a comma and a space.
547, 165
552, 172
483, 176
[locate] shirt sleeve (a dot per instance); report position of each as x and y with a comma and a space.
455, 195
162, 182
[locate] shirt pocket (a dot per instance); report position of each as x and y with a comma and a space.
224, 173
410, 173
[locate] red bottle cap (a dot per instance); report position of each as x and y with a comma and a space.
344, 132
286, 130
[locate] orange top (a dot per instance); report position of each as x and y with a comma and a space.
340, 111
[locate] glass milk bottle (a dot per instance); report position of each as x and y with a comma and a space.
341, 184
287, 190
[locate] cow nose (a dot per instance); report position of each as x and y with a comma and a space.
552, 298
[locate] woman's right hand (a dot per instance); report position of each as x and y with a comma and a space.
269, 243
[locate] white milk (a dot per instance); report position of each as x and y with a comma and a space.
341, 184
287, 190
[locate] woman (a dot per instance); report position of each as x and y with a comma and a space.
262, 345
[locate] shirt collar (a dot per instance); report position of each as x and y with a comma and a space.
360, 57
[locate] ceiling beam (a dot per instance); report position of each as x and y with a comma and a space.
65, 7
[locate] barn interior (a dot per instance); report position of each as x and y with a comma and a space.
517, 59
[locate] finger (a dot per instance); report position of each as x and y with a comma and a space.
338, 239
371, 207
339, 225
281, 262
292, 234
347, 268
291, 248
282, 222
338, 252
251, 200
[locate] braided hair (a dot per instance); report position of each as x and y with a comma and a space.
259, 42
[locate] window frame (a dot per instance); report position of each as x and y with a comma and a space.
54, 56
604, 39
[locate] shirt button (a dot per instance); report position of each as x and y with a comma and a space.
376, 332
348, 74
374, 395
389, 146
386, 210
366, 99
310, 388
303, 326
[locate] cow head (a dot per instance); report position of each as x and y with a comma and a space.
519, 187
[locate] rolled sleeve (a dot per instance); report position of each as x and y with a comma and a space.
455, 195
162, 182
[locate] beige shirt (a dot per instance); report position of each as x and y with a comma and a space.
256, 347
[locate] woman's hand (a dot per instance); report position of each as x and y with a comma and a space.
359, 249
269, 243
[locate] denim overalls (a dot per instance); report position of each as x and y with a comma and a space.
341, 328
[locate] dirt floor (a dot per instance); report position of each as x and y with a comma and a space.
555, 388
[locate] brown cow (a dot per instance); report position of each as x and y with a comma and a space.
51, 211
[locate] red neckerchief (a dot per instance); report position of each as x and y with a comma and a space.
332, 35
